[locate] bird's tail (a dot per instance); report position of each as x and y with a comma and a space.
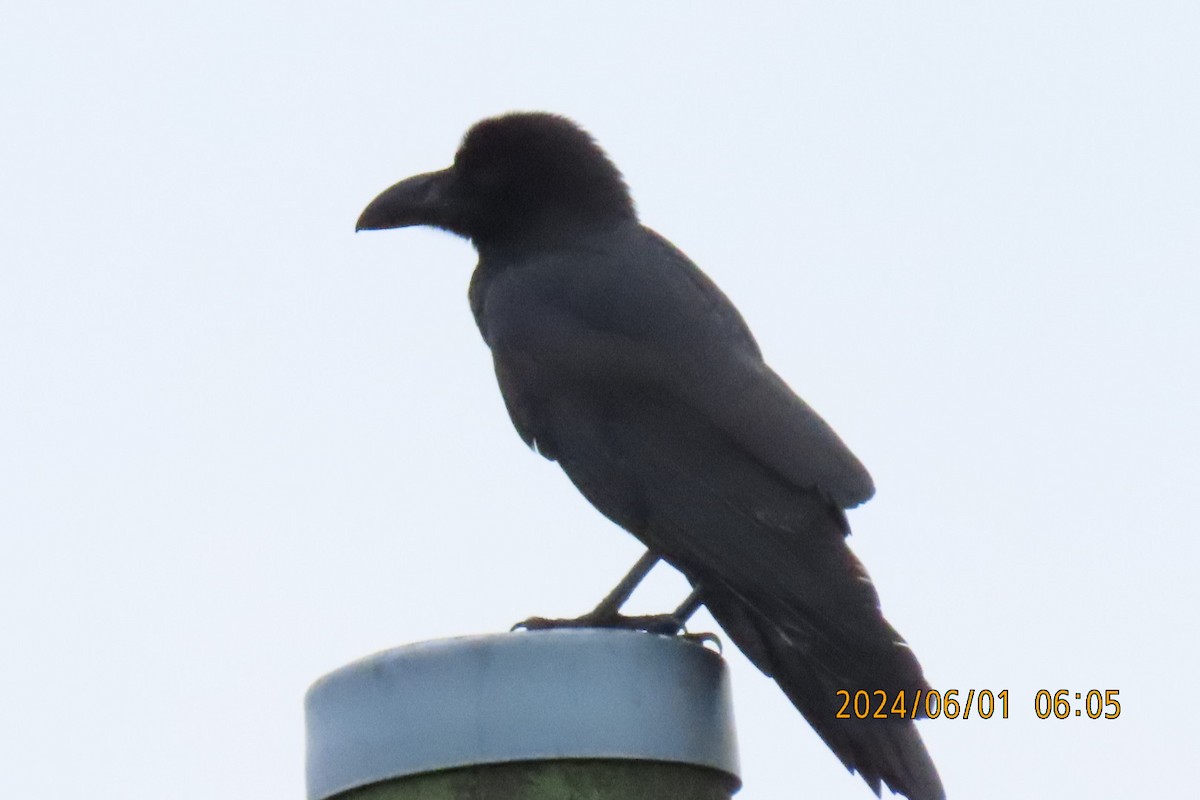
882, 751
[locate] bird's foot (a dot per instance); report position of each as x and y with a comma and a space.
547, 624
650, 623
703, 639
662, 624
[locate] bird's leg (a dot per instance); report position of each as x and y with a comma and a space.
608, 608
668, 624
690, 605
606, 614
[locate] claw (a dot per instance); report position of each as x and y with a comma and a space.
703, 639
547, 624
651, 623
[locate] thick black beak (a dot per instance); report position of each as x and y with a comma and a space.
419, 200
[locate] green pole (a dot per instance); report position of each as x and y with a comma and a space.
558, 780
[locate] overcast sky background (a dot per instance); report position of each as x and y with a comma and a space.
241, 446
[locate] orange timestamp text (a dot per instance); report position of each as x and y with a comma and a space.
980, 703
931, 703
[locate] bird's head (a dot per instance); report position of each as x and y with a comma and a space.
515, 176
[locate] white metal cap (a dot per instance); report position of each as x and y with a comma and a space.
524, 696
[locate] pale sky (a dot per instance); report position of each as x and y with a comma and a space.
241, 446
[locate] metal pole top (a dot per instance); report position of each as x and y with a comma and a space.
511, 697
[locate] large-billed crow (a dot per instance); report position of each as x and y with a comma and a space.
619, 359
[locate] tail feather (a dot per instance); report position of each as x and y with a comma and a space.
883, 752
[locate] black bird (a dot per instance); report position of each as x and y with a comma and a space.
622, 361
